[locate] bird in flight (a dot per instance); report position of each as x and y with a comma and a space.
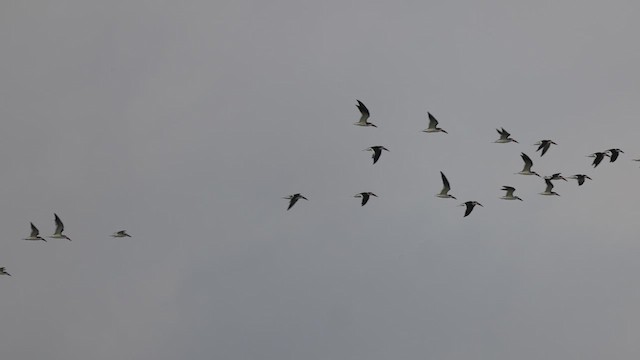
59, 229
509, 194
556, 176
470, 205
580, 178
614, 154
365, 115
365, 196
504, 137
377, 151
433, 125
549, 189
3, 271
544, 145
526, 170
35, 234
445, 188
120, 234
598, 157
293, 199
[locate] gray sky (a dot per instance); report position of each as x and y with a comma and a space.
186, 122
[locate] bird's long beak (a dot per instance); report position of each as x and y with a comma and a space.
516, 141
479, 204
444, 131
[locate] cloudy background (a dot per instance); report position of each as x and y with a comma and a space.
186, 122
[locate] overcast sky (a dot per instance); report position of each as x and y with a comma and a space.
186, 122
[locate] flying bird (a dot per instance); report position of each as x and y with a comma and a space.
365, 196
614, 154
470, 205
445, 188
59, 229
504, 137
433, 125
365, 115
580, 178
509, 194
556, 176
549, 189
120, 234
598, 156
377, 151
544, 145
526, 170
3, 271
293, 199
35, 234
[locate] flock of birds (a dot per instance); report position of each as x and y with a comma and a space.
35, 236
505, 137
